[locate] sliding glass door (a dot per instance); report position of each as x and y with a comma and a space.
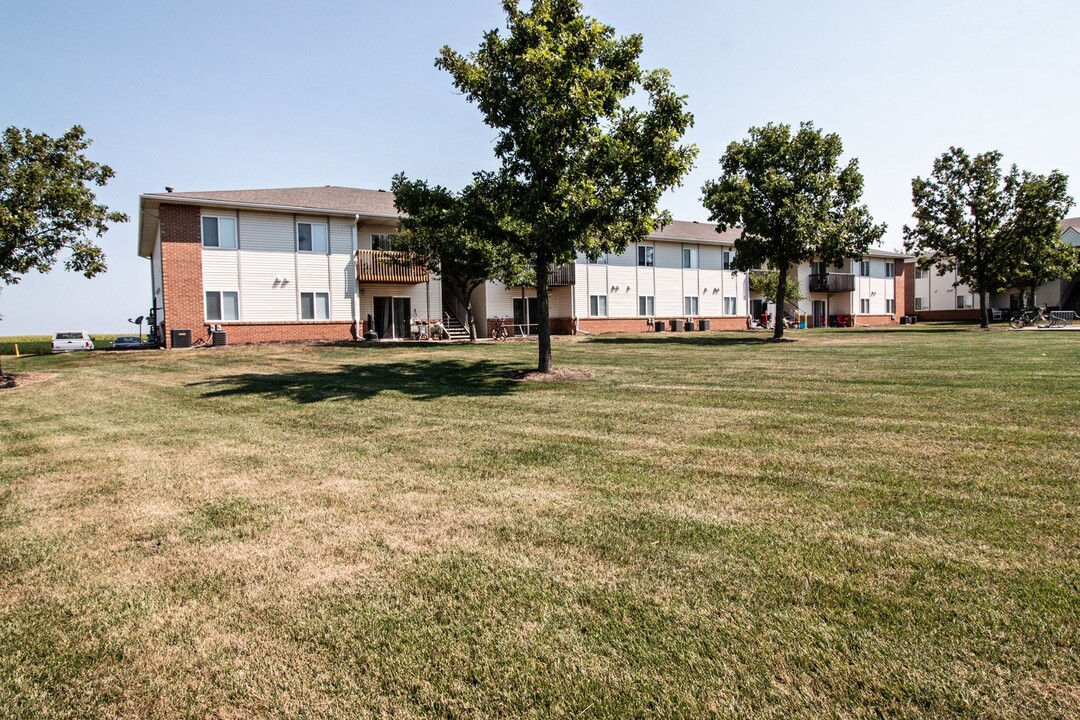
392, 316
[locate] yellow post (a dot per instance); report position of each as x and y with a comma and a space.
16, 349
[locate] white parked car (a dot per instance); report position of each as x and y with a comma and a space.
71, 341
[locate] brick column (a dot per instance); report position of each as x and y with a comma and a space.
904, 290
181, 270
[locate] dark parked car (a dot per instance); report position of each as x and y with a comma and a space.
128, 342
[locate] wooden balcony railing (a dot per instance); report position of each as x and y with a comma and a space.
561, 276
832, 282
385, 266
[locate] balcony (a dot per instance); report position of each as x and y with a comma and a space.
561, 276
385, 266
832, 282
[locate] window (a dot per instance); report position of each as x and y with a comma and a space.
222, 306
645, 255
383, 242
725, 259
598, 305
314, 306
959, 302
864, 306
890, 306
729, 306
690, 305
311, 237
219, 232
819, 268
600, 259
890, 269
864, 268
645, 305
918, 303
919, 273
690, 258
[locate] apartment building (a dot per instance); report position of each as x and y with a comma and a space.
319, 264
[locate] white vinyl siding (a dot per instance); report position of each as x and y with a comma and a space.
221, 270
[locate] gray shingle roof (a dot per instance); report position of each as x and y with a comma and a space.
329, 197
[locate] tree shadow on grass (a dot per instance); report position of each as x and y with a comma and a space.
698, 339
418, 379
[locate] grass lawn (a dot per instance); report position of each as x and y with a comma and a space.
858, 524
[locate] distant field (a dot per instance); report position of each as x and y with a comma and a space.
858, 524
42, 344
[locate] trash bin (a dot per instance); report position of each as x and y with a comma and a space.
703, 324
180, 338
674, 324
903, 319
912, 319
219, 338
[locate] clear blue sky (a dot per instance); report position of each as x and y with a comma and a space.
230, 95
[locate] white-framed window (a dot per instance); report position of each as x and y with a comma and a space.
890, 269
646, 305
314, 306
311, 237
864, 306
959, 302
890, 306
690, 258
725, 259
219, 232
645, 255
730, 307
690, 305
382, 241
819, 267
919, 273
598, 305
222, 306
600, 259
919, 303
864, 268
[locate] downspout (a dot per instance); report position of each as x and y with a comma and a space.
356, 282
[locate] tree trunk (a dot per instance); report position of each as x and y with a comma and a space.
544, 336
469, 318
781, 296
1031, 296
984, 323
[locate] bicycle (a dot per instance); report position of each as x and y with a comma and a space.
1033, 316
499, 330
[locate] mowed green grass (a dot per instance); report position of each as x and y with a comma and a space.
857, 524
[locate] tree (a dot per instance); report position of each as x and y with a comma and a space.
582, 169
960, 211
792, 200
1032, 234
766, 284
457, 236
47, 204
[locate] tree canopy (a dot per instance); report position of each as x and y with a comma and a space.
1032, 234
582, 167
793, 201
47, 204
460, 236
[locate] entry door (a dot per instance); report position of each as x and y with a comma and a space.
527, 315
819, 314
392, 317
758, 307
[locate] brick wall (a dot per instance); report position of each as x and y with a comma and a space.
624, 325
181, 270
931, 315
247, 333
908, 289
876, 320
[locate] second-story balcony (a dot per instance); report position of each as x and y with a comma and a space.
386, 266
832, 282
561, 276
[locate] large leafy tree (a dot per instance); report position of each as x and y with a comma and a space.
1032, 234
582, 166
960, 212
793, 201
460, 236
47, 204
